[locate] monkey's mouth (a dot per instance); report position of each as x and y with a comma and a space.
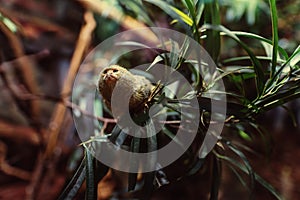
110, 78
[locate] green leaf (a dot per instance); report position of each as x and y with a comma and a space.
241, 77
246, 163
132, 180
238, 176
274, 34
279, 94
268, 186
262, 39
216, 179
115, 133
91, 185
148, 186
191, 7
291, 115
171, 135
295, 57
138, 45
197, 79
151, 140
260, 79
260, 180
251, 10
233, 71
196, 166
234, 109
241, 58
98, 111
244, 135
212, 16
139, 9
199, 11
132, 177
151, 160
157, 59
75, 183
121, 138
291, 62
174, 53
172, 11
183, 16
192, 10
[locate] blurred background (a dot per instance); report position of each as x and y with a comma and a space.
42, 44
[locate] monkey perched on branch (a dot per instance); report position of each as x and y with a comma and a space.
127, 83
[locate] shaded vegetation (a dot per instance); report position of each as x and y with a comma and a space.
42, 47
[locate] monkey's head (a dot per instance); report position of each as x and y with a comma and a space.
108, 78
110, 75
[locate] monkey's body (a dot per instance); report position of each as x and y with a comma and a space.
138, 87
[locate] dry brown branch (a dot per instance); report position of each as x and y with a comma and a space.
36, 178
25, 95
59, 112
25, 66
103, 119
13, 171
41, 23
30, 5
69, 104
6, 69
126, 21
19, 133
10, 170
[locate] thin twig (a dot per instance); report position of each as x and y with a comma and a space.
58, 116
84, 112
10, 170
38, 21
59, 112
25, 95
126, 21
26, 67
20, 133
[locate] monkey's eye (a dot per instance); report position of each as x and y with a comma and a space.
115, 70
105, 71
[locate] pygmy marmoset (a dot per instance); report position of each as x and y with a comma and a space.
138, 87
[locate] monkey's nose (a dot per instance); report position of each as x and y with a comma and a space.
110, 76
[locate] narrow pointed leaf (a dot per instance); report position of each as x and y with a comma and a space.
260, 78
91, 186
274, 34
75, 183
172, 11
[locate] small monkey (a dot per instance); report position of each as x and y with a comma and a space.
127, 83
